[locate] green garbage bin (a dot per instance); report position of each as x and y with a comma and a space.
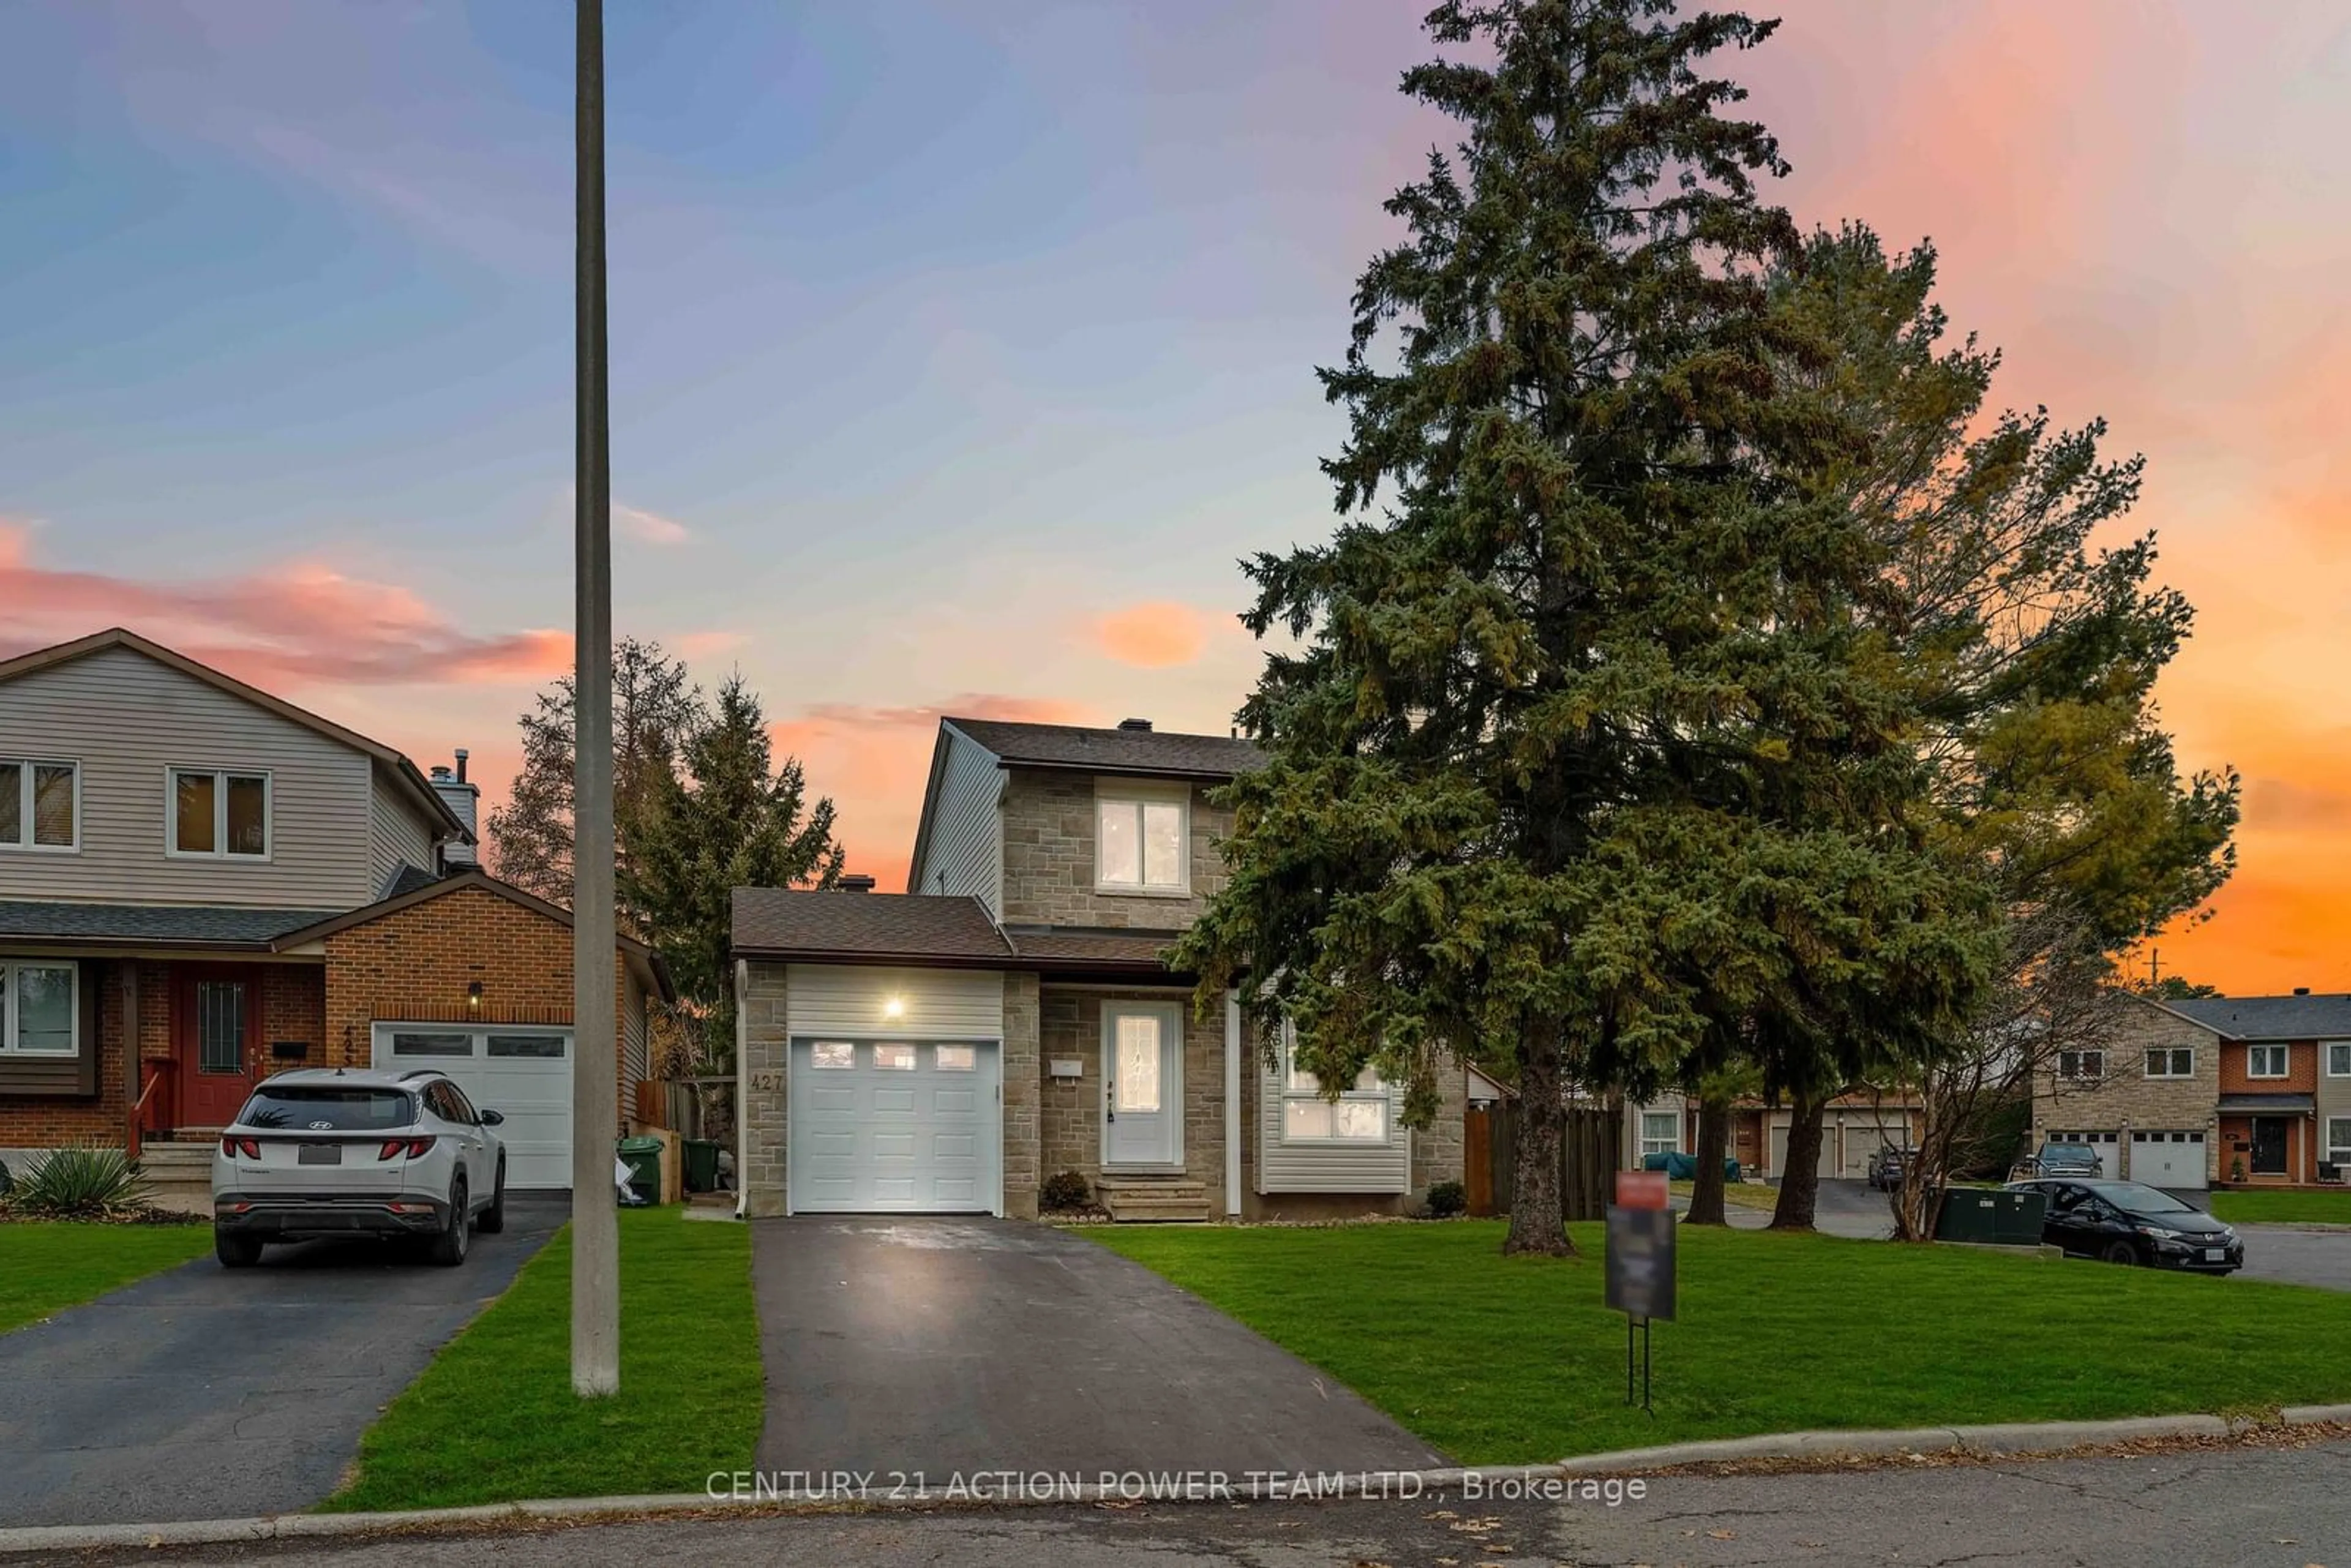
1990, 1217
701, 1165
643, 1156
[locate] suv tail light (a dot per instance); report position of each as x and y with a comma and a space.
249, 1148
394, 1147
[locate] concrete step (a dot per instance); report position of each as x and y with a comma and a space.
180, 1174
1147, 1199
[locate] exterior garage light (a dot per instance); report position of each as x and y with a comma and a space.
896, 1008
474, 998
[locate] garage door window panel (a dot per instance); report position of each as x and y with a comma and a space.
531, 1047
894, 1058
956, 1058
439, 1046
833, 1056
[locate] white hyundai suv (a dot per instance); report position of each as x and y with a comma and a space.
342, 1152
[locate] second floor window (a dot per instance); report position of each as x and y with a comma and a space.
1139, 842
40, 804
2082, 1066
2266, 1061
220, 813
2172, 1062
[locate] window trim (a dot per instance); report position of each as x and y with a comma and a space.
2286, 1059
817, 1064
220, 776
1641, 1131
1139, 793
1286, 1093
2327, 1049
2337, 1153
25, 796
2077, 1075
10, 1046
2167, 1052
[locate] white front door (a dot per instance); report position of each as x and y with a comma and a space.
1143, 1083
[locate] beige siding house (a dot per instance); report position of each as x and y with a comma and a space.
1012, 1017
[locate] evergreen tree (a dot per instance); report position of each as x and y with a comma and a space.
729, 817
1585, 767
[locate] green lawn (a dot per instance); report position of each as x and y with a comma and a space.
46, 1268
493, 1418
2284, 1207
1503, 1360
1738, 1194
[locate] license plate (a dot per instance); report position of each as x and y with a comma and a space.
320, 1155
2215, 1254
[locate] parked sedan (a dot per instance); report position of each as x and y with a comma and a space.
2129, 1222
344, 1151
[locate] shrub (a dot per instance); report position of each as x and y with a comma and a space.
86, 1181
1447, 1198
1064, 1192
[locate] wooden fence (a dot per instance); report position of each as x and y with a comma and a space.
1589, 1158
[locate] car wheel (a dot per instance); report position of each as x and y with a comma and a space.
235, 1252
2121, 1252
449, 1247
493, 1219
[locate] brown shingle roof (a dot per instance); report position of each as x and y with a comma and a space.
1137, 751
1113, 949
783, 923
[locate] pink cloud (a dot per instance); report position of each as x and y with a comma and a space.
1153, 635
874, 761
302, 624
648, 527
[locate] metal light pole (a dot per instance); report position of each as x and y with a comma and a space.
595, 1087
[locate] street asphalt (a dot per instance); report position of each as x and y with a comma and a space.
2276, 1506
950, 1347
2292, 1255
205, 1394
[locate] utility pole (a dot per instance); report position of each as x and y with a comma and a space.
595, 1087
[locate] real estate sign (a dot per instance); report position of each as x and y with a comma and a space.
1640, 1248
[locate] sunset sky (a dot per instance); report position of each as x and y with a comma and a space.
960, 350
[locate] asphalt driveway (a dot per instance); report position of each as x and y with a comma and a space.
957, 1346
202, 1394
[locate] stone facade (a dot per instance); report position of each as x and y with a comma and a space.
1024, 1112
2126, 1098
1072, 1119
1437, 1149
767, 1068
1049, 859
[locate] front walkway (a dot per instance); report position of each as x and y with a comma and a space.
956, 1346
201, 1392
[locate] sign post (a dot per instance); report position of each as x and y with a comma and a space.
1640, 1264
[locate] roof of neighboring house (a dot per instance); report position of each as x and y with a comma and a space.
1149, 752
409, 879
319, 929
419, 790
155, 924
867, 927
2234, 1103
2270, 1017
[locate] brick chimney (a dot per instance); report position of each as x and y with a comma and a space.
463, 799
1135, 726
859, 883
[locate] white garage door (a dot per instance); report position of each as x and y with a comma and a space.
1825, 1166
2107, 1144
1865, 1137
522, 1073
883, 1126
2168, 1159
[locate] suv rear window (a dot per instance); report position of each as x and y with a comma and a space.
304, 1107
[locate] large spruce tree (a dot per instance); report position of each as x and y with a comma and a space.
1583, 767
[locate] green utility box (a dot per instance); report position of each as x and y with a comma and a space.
701, 1156
643, 1156
1991, 1216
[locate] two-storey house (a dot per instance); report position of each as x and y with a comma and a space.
1010, 1018
202, 884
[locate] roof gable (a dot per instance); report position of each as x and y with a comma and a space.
1147, 753
412, 780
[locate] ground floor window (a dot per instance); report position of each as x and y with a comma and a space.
1359, 1114
2338, 1140
1661, 1132
40, 1011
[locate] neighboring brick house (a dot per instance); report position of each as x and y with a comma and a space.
202, 884
1009, 1018
2283, 1099
2147, 1102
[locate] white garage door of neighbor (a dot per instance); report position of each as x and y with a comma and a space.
1826, 1165
2108, 1146
894, 1127
522, 1073
2168, 1159
1863, 1139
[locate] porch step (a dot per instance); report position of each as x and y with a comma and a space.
180, 1173
1153, 1198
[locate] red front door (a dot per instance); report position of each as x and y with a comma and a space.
216, 1030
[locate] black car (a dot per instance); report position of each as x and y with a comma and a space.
2128, 1222
1886, 1165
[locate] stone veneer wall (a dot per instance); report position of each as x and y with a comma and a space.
1023, 1092
2127, 1097
1049, 858
767, 1064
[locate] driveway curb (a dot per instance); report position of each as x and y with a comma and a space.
2013, 1437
